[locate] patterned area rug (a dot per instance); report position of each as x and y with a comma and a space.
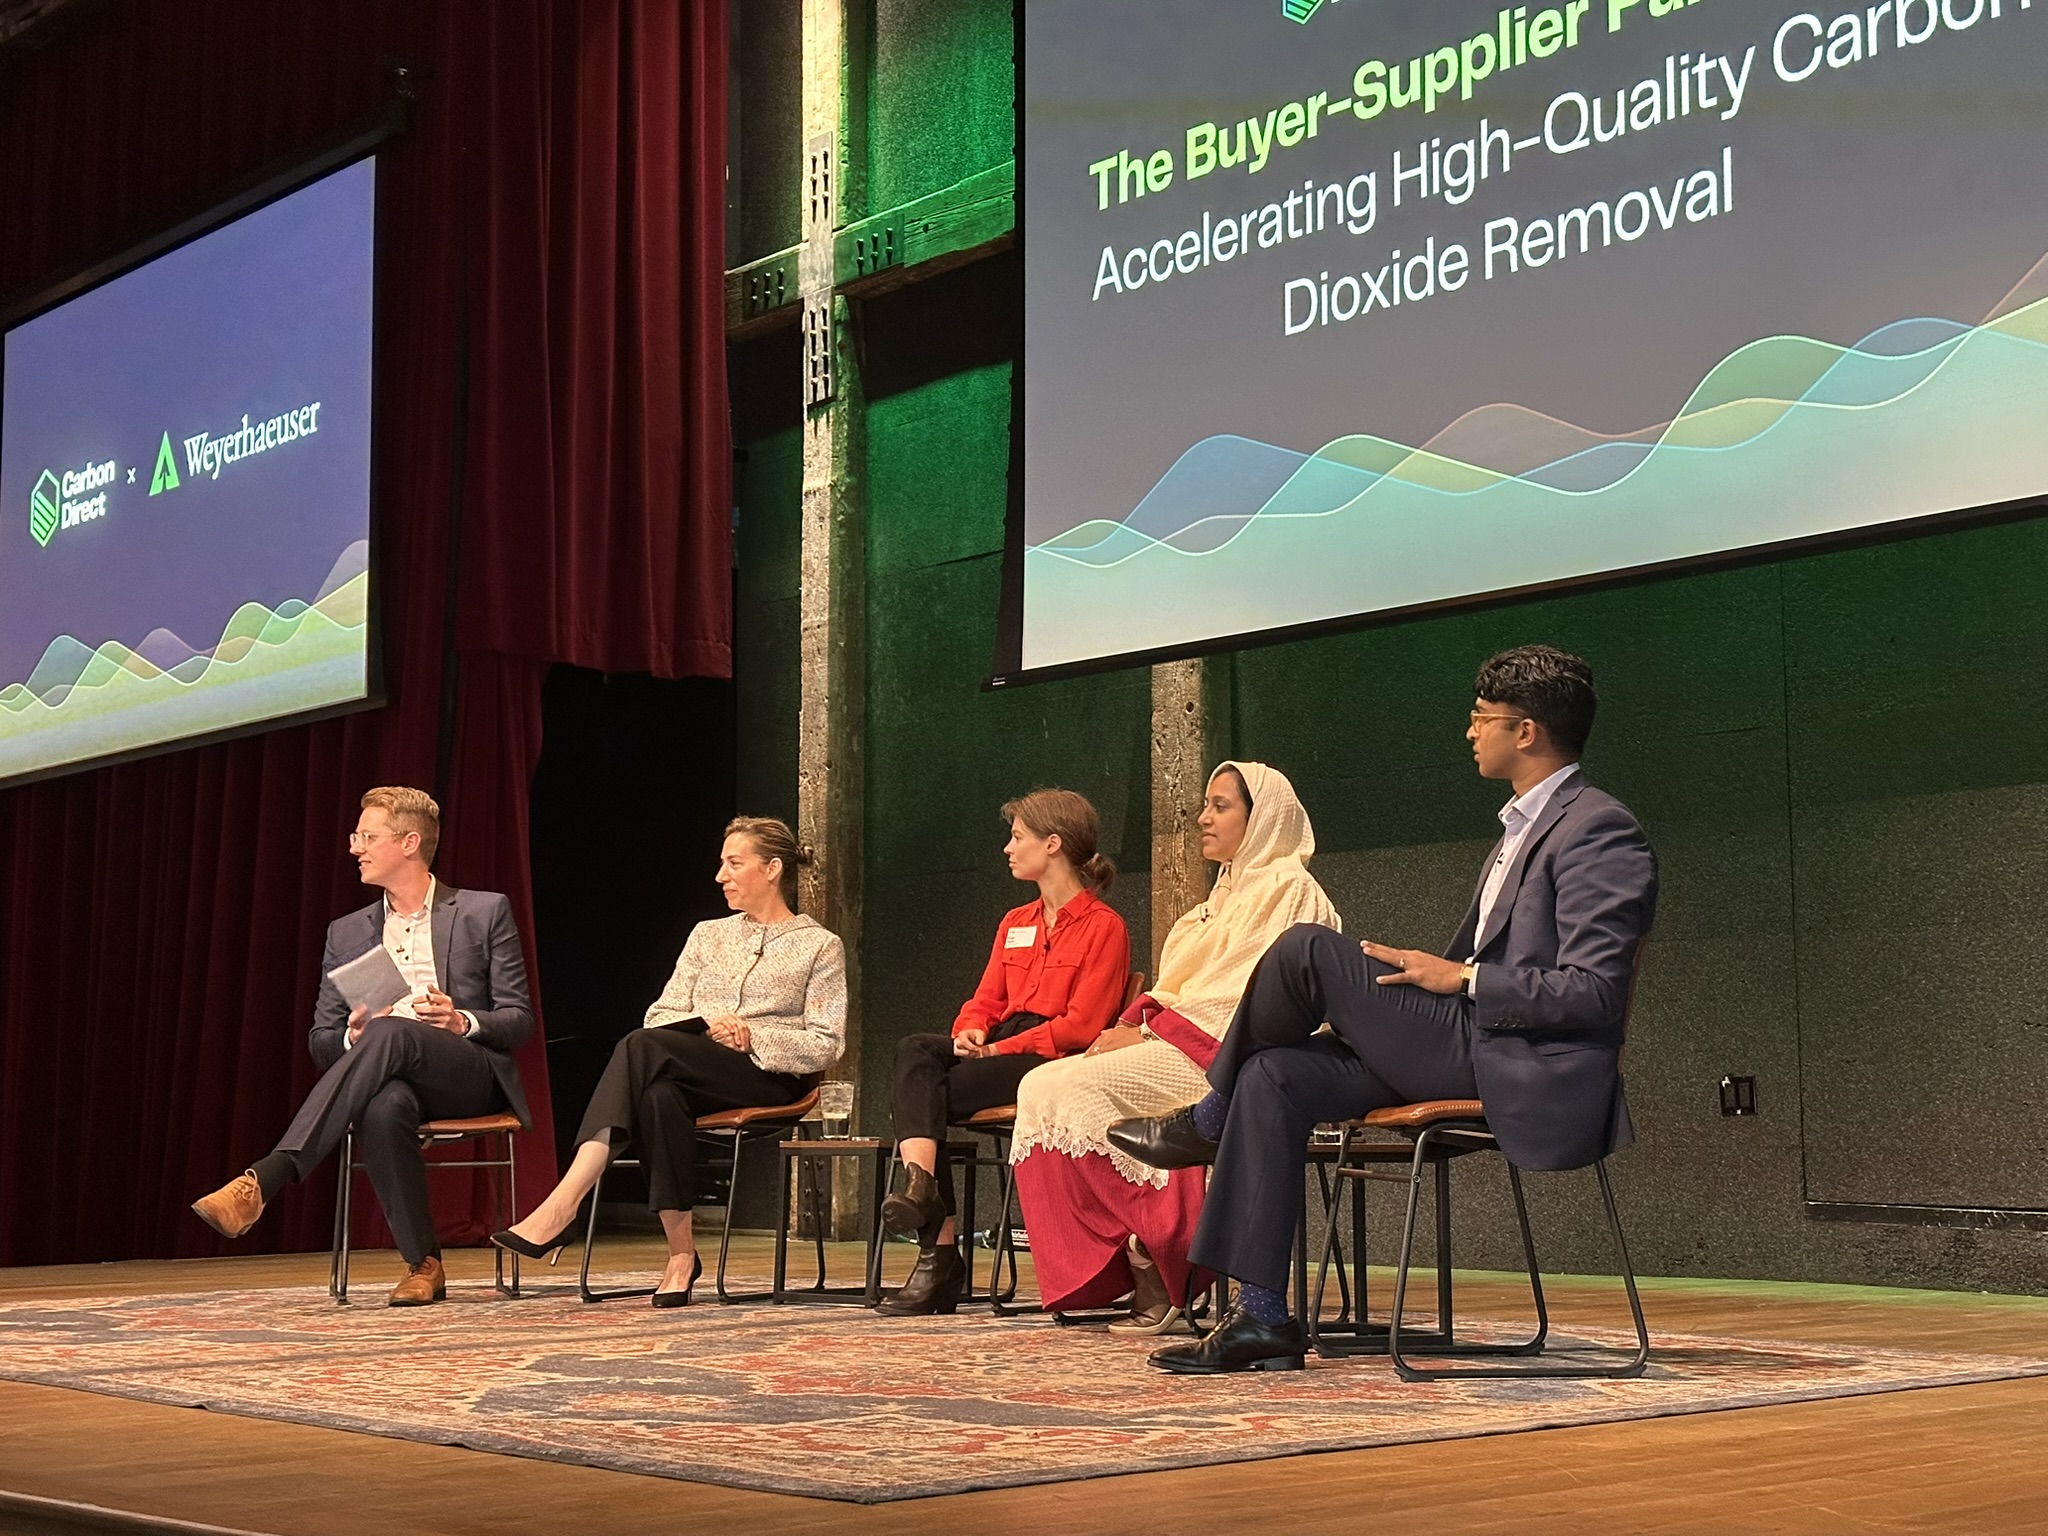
835, 1403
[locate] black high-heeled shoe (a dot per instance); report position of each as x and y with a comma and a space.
551, 1250
681, 1298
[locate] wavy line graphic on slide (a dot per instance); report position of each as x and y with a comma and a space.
69, 667
1787, 439
1222, 485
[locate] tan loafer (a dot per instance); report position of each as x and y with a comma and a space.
1152, 1309
424, 1283
232, 1209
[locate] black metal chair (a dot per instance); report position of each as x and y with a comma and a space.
1361, 1157
1000, 1125
1433, 1135
736, 1129
504, 1190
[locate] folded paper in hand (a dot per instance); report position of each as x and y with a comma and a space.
371, 980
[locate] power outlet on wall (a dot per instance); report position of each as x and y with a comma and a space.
1738, 1095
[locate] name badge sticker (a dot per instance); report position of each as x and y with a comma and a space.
1021, 938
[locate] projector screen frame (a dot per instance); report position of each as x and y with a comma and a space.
1008, 670
269, 184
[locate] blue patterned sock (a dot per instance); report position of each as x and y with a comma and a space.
1210, 1115
1269, 1307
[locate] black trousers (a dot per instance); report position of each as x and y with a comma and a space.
1393, 1045
934, 1088
657, 1084
401, 1074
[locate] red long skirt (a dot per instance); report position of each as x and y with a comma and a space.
1081, 1213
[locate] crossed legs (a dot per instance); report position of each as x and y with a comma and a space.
657, 1084
399, 1075
1389, 1045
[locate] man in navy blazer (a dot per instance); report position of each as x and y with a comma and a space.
442, 1053
1524, 1011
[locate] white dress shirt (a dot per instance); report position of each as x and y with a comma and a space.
410, 939
1517, 816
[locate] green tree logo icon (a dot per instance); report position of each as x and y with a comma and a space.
42, 508
165, 475
1300, 10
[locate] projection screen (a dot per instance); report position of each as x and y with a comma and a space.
1338, 309
185, 485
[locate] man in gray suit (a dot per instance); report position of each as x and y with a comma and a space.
1524, 1011
442, 1053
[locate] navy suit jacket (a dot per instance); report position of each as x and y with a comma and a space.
1555, 966
477, 962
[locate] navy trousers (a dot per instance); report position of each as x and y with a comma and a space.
1392, 1045
401, 1074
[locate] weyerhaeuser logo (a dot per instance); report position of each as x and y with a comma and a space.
165, 476
55, 503
208, 455
1300, 10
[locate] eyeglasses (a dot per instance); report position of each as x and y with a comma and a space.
1480, 714
357, 841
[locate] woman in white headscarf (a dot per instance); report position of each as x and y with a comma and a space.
1101, 1223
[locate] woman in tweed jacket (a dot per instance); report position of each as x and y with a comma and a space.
756, 1009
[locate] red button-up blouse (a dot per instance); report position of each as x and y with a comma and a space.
1074, 976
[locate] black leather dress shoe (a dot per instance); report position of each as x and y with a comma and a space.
1238, 1343
1167, 1141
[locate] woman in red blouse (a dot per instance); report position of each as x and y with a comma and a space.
1055, 978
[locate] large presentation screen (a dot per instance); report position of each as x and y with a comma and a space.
1338, 308
185, 489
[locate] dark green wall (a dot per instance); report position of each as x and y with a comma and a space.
765, 151
1842, 760
942, 756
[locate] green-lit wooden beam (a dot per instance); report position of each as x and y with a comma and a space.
949, 228
832, 596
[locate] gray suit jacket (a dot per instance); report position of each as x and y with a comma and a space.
477, 962
1555, 964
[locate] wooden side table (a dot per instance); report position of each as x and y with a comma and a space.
789, 1154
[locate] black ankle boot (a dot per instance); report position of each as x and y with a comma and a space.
933, 1288
920, 1208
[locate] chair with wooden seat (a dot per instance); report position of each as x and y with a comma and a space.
504, 1191
1433, 1135
735, 1130
999, 1124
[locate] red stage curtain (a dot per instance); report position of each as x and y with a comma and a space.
160, 922
620, 393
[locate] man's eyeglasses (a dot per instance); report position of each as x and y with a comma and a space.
1480, 714
358, 841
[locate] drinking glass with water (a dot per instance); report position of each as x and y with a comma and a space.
835, 1108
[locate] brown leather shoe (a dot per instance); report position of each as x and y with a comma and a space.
424, 1283
933, 1288
1152, 1308
920, 1208
232, 1209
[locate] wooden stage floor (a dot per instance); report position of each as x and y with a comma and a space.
1955, 1459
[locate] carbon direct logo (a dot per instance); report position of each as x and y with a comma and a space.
42, 509
1300, 10
67, 502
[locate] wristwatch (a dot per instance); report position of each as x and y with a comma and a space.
1466, 973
